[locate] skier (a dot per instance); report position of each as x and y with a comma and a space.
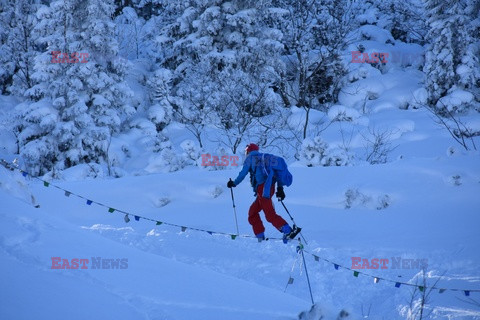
263, 201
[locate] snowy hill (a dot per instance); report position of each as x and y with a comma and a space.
412, 208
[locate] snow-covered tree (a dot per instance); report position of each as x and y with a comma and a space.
452, 65
226, 47
315, 33
76, 103
192, 105
240, 103
17, 45
129, 33
7, 65
160, 110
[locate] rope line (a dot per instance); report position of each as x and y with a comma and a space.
356, 273
137, 217
377, 279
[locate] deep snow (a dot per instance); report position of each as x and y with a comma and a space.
194, 275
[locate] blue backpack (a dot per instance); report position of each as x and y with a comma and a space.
270, 162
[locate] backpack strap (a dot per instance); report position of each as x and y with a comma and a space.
263, 164
252, 170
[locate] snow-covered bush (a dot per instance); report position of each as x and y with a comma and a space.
354, 198
161, 201
342, 113
337, 157
316, 152
361, 71
165, 161
146, 126
317, 312
312, 151
378, 145
191, 152
457, 101
160, 114
455, 180
215, 191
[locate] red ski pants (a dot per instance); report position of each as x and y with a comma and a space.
266, 205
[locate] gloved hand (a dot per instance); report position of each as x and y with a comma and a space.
231, 184
280, 194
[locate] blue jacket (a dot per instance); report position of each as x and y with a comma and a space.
253, 164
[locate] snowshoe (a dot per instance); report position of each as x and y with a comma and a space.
295, 231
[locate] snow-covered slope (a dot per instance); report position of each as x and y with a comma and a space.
425, 213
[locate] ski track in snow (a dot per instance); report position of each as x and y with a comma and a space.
20, 231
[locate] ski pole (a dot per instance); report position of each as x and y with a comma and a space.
300, 248
234, 209
291, 218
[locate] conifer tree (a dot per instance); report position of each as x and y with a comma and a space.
452, 61
17, 45
76, 104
